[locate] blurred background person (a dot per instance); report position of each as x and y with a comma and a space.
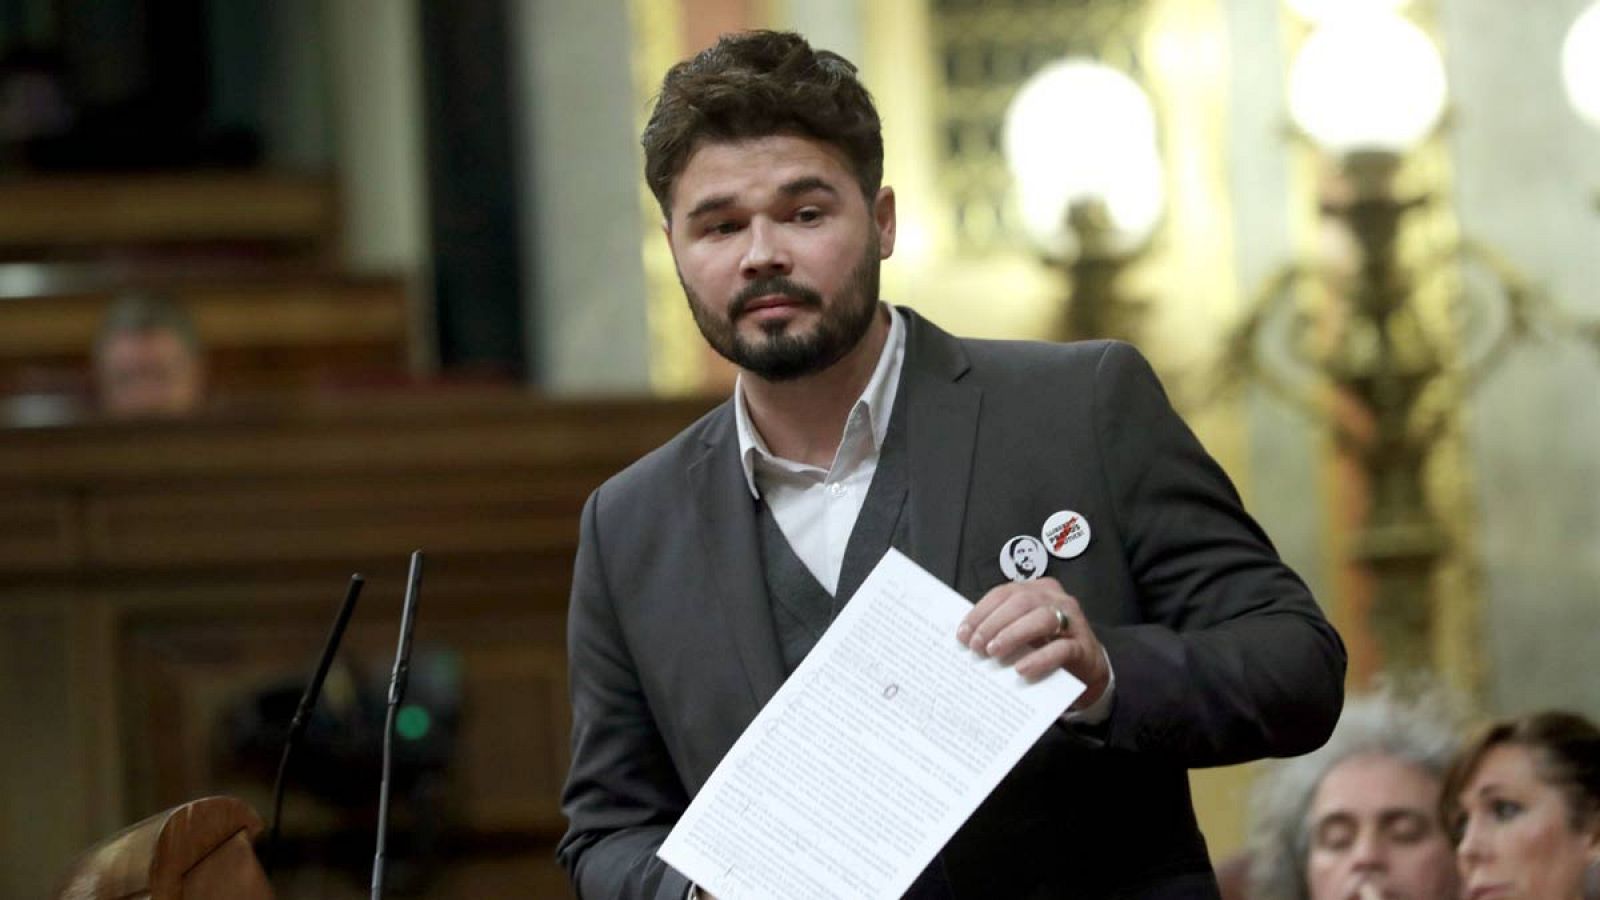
1358, 819
1523, 800
148, 361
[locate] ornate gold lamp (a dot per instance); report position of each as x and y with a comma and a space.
1080, 140
1384, 373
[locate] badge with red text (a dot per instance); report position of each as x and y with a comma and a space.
1066, 534
1023, 558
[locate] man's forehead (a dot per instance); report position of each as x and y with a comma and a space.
145, 337
720, 166
780, 144
1375, 800
1385, 808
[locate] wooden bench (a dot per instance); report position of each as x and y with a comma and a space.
251, 254
263, 328
78, 216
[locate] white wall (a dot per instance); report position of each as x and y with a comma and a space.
376, 79
1285, 474
579, 158
1526, 173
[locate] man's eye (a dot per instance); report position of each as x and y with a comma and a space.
809, 214
1335, 835
1409, 829
725, 228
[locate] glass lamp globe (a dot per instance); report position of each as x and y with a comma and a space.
1081, 131
1367, 82
1580, 64
1321, 11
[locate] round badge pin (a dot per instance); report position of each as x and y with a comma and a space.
1023, 558
1066, 534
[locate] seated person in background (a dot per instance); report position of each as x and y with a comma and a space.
1523, 801
148, 360
1359, 818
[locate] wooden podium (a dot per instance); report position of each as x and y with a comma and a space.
198, 851
156, 576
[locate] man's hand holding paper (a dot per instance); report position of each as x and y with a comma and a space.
1040, 615
870, 757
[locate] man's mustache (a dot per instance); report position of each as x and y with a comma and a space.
766, 287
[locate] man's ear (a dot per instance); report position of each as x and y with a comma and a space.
883, 219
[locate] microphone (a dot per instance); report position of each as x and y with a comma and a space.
397, 693
302, 714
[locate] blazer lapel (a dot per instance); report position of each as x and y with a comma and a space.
726, 521
942, 430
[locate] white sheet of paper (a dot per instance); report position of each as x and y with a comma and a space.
870, 756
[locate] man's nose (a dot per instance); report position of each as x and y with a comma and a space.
765, 254
1369, 851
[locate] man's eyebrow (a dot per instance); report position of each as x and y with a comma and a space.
803, 185
807, 184
710, 204
1337, 815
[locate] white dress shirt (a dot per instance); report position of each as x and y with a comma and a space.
817, 508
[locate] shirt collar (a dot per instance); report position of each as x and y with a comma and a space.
876, 402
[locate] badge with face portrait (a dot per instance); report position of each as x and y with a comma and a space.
1023, 558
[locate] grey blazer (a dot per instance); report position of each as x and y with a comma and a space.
1220, 653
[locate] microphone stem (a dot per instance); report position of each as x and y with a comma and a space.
271, 855
383, 801
302, 713
397, 693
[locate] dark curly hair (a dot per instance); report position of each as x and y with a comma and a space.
755, 84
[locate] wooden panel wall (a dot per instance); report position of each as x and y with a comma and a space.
46, 215
152, 577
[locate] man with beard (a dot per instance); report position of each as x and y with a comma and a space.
1027, 559
707, 570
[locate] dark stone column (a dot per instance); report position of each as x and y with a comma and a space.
477, 272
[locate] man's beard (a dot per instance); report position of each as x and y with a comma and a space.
779, 355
